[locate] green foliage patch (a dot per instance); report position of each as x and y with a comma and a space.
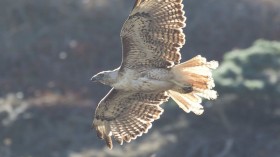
253, 75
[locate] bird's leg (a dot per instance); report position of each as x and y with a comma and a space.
187, 89
183, 89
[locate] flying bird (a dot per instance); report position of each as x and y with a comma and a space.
151, 73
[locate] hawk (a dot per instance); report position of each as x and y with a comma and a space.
150, 73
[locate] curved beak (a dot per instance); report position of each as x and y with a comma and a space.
94, 79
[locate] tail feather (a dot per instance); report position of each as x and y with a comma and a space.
188, 102
197, 73
199, 61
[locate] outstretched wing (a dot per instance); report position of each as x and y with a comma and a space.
152, 35
126, 115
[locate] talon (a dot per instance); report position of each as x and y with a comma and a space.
187, 89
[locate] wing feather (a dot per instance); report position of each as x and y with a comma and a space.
152, 35
126, 115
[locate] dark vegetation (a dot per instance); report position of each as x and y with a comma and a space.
50, 49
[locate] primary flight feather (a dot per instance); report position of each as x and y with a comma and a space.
150, 73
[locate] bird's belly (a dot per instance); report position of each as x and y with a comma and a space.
143, 84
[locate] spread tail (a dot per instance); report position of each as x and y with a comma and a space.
195, 73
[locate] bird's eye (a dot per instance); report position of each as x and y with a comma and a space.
101, 75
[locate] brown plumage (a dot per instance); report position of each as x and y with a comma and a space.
128, 118
150, 73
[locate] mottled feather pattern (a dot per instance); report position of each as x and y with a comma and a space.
127, 115
156, 27
150, 72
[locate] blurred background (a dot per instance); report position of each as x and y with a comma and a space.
49, 49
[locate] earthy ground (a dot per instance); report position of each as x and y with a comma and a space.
50, 49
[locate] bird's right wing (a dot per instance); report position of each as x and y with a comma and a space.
126, 115
152, 35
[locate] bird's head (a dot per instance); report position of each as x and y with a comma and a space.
105, 77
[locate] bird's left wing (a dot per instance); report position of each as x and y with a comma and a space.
126, 115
